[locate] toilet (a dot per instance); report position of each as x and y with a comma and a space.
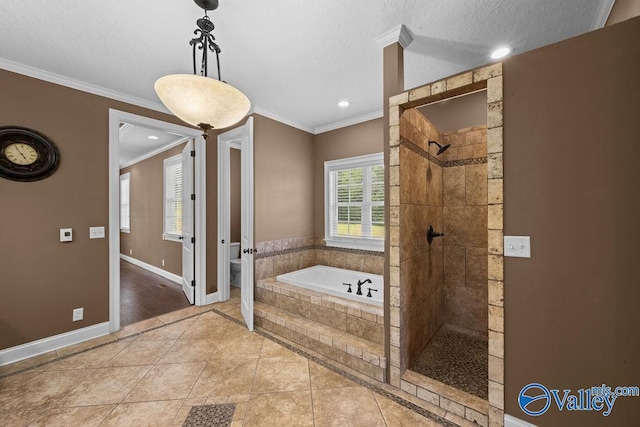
235, 264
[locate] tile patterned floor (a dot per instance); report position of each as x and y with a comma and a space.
155, 377
458, 358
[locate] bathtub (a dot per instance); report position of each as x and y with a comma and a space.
329, 280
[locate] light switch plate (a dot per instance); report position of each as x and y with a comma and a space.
96, 232
66, 235
517, 246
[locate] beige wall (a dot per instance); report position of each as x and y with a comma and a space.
623, 10
351, 141
235, 169
42, 279
283, 187
571, 183
421, 264
145, 241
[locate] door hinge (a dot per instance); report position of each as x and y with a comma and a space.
193, 153
193, 283
193, 240
193, 197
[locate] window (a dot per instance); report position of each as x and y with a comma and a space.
125, 203
173, 198
354, 202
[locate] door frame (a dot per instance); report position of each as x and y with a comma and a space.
115, 117
227, 141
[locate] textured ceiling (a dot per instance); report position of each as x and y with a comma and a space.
294, 59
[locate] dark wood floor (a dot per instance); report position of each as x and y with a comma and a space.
144, 295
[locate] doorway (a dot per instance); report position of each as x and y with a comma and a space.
191, 158
240, 138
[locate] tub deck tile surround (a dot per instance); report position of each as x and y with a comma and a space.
483, 413
348, 332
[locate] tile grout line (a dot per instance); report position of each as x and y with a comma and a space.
401, 401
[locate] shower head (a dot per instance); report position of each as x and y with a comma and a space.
441, 148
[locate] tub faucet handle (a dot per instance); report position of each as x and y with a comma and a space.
349, 285
369, 293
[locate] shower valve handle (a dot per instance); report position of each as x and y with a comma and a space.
432, 234
369, 293
349, 285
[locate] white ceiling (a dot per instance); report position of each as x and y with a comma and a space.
294, 59
135, 144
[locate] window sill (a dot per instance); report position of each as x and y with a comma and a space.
366, 245
172, 238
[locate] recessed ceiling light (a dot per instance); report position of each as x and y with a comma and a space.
152, 137
344, 104
501, 52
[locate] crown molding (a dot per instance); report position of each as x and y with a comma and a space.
399, 34
348, 122
37, 73
58, 79
153, 153
266, 113
604, 10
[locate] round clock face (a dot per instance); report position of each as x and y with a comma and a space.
21, 153
26, 155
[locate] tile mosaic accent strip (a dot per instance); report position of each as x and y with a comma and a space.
312, 247
445, 164
217, 415
261, 255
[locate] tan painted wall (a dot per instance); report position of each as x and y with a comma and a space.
283, 181
42, 279
571, 183
351, 141
623, 10
145, 242
236, 194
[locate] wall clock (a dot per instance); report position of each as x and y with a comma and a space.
26, 155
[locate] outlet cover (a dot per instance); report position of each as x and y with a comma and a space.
78, 314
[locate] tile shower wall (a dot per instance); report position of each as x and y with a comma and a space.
465, 228
421, 264
277, 257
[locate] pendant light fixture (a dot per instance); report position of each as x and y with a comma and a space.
200, 100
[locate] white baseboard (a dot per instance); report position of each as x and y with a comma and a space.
211, 298
511, 421
45, 345
153, 269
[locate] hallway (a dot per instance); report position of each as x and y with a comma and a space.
144, 295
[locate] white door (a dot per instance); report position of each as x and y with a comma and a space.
246, 238
188, 243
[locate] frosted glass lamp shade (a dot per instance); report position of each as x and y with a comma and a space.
202, 100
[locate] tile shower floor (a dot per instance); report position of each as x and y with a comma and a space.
153, 372
458, 358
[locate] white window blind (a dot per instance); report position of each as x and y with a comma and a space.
173, 197
354, 202
125, 202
